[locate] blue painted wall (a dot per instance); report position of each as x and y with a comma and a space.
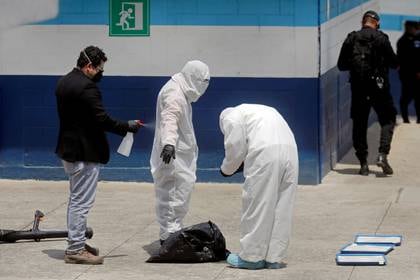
396, 22
214, 12
335, 122
199, 12
29, 123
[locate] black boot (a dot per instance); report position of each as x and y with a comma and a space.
384, 164
364, 168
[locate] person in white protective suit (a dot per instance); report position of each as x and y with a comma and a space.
258, 140
173, 160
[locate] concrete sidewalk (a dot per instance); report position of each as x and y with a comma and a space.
326, 218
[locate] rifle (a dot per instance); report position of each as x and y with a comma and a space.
11, 236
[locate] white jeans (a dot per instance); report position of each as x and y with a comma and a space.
83, 181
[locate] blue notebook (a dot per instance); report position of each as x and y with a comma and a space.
360, 259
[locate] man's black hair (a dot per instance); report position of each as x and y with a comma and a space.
94, 54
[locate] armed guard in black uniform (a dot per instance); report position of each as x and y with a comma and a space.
368, 55
408, 52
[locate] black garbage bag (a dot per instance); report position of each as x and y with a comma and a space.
198, 243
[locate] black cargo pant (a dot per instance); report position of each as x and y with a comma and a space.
410, 89
367, 95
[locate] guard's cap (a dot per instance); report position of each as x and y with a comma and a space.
411, 23
371, 14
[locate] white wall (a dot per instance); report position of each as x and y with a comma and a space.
229, 50
334, 32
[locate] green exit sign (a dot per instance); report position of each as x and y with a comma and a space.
129, 18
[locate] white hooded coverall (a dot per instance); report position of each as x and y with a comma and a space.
259, 136
174, 182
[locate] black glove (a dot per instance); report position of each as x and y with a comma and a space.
168, 152
223, 174
133, 126
240, 168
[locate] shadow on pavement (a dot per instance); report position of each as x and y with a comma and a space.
30, 241
355, 172
54, 254
116, 256
59, 254
153, 248
373, 136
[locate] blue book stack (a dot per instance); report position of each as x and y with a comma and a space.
368, 249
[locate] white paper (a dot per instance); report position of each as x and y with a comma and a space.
367, 248
361, 259
393, 239
126, 144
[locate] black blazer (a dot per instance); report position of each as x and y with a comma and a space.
83, 120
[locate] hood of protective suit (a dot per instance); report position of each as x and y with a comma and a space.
193, 79
226, 112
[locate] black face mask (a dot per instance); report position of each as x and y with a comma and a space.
97, 78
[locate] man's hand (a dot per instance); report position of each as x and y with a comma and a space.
168, 152
133, 126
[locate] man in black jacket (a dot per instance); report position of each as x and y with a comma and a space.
368, 55
408, 51
83, 146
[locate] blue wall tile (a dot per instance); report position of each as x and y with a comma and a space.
181, 7
270, 7
225, 7
95, 7
71, 7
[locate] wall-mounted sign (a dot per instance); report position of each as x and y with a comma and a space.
129, 18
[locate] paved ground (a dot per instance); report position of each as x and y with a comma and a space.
326, 218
